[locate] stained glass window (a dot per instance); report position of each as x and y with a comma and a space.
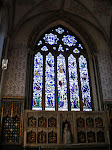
60, 77
69, 40
44, 48
76, 51
62, 83
49, 83
37, 82
86, 98
51, 38
73, 83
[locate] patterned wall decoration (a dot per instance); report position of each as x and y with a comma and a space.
11, 130
105, 67
14, 84
102, 7
12, 121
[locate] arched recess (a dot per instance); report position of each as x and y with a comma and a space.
91, 51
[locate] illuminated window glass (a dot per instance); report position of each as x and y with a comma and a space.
60, 78
73, 83
37, 82
49, 83
86, 98
62, 83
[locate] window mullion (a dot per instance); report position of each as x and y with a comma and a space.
68, 91
56, 97
79, 83
43, 91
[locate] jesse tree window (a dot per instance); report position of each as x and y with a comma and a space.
60, 77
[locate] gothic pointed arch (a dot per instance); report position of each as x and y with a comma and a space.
59, 51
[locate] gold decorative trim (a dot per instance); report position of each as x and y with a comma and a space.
13, 97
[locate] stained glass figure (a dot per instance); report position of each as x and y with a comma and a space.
73, 83
39, 43
44, 48
69, 40
59, 30
49, 83
37, 82
51, 38
76, 51
86, 98
62, 84
80, 46
60, 48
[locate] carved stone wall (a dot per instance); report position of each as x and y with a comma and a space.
45, 128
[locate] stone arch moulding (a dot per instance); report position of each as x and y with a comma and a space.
90, 47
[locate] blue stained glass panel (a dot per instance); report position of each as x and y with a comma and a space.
62, 84
80, 46
37, 82
51, 38
76, 51
67, 49
73, 84
44, 48
69, 40
39, 43
49, 83
84, 77
60, 48
59, 30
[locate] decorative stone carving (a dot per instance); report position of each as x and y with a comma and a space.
100, 136
67, 135
89, 122
80, 122
52, 122
99, 122
32, 122
91, 137
52, 137
81, 137
42, 122
31, 137
42, 137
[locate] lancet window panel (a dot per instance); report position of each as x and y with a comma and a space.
60, 75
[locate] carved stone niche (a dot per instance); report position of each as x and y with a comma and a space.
99, 122
32, 122
42, 137
52, 137
100, 136
80, 122
81, 137
52, 122
89, 122
91, 137
67, 136
42, 122
31, 137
